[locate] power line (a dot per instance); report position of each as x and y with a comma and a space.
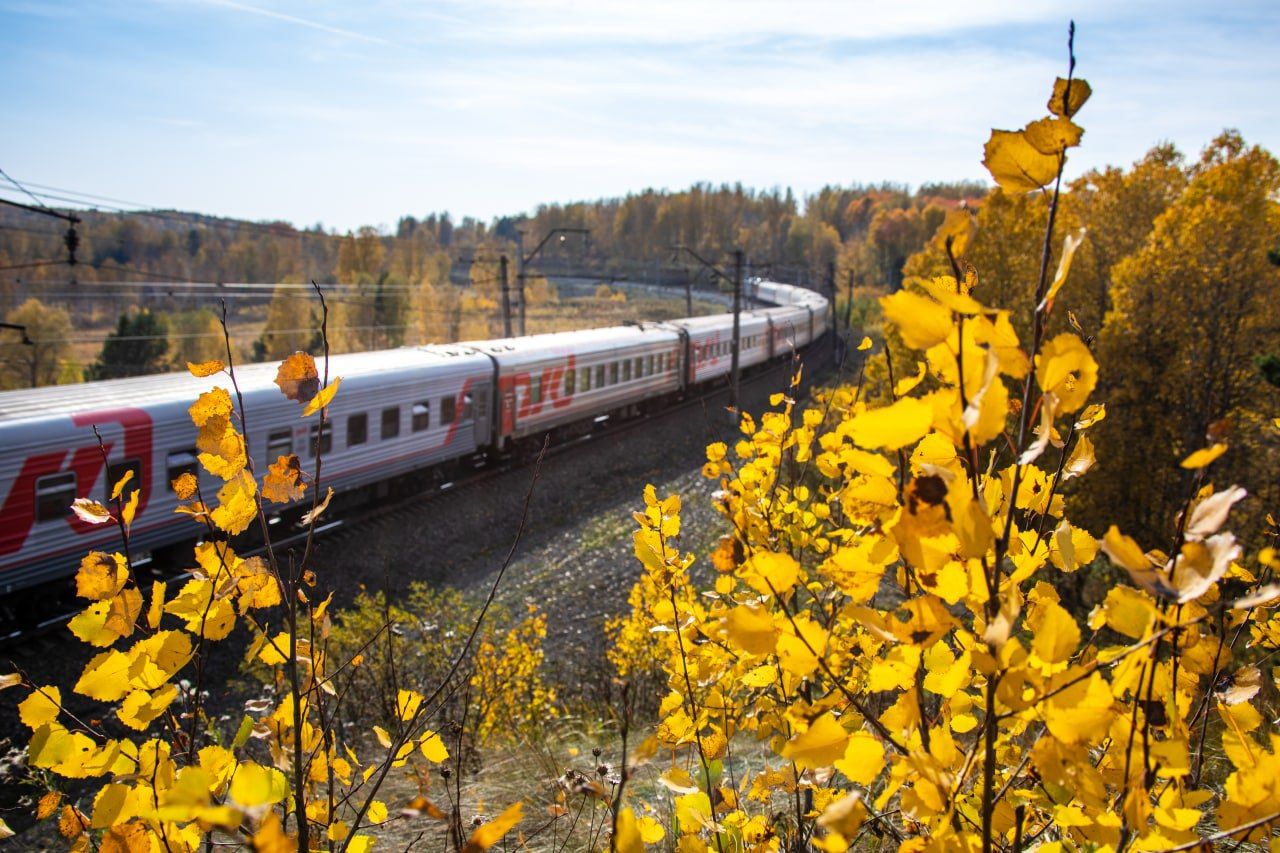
21, 187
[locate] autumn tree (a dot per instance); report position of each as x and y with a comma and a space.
1191, 310
1120, 208
34, 356
194, 336
291, 325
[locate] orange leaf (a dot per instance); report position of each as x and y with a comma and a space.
298, 378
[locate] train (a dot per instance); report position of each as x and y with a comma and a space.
402, 415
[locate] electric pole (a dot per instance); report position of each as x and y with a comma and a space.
525, 260
831, 291
506, 296
737, 312
848, 306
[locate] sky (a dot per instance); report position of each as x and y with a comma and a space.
349, 113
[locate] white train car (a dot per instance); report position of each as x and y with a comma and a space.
398, 410
546, 381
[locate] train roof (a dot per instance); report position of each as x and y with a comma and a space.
62, 400
595, 339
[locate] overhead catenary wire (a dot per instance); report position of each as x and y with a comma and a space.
30, 194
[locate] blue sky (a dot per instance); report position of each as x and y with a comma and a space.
354, 113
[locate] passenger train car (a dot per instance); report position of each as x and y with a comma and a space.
409, 411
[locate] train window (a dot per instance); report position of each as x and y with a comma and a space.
116, 470
179, 462
321, 442
357, 429
390, 422
648, 366
639, 367
448, 410
599, 375
279, 443
570, 382
466, 407
626, 370
613, 373
535, 390
421, 415
54, 495
584, 379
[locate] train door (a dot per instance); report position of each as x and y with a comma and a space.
508, 403
480, 413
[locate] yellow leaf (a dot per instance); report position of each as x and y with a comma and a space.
123, 611
40, 707
282, 483
207, 614
1066, 369
130, 508
842, 818
1016, 164
114, 805
864, 344
48, 805
118, 488
1063, 104
693, 812
818, 746
1055, 635
185, 485
1053, 135
407, 704
236, 504
324, 398
627, 836
155, 611
1081, 712
492, 832
140, 708
105, 677
377, 812
1201, 458
101, 576
276, 651
893, 426
90, 511
750, 628
921, 321
769, 573
958, 228
1128, 611
863, 758
90, 625
5, 831
384, 738
154, 660
206, 368
72, 823
1069, 246
433, 748
255, 785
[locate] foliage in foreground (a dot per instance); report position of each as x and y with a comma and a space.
884, 617
153, 769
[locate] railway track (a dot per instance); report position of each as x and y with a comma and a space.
35, 614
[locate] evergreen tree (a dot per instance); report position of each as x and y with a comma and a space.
137, 347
